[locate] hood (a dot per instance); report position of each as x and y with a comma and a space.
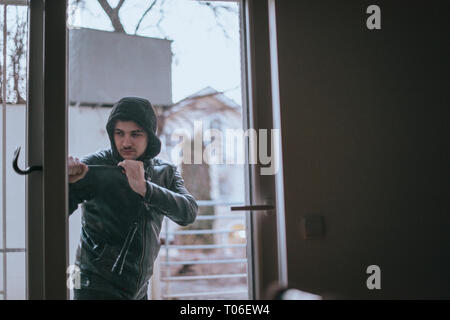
140, 111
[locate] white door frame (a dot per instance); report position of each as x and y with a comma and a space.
267, 246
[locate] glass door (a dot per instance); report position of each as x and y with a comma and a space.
185, 57
195, 73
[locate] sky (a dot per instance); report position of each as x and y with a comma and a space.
202, 54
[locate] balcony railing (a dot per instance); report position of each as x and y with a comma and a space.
202, 285
169, 251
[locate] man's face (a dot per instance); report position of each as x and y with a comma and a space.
130, 139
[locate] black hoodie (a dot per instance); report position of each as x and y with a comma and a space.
140, 111
120, 229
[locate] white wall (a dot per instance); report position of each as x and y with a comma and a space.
119, 65
15, 203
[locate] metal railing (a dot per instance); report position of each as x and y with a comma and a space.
166, 260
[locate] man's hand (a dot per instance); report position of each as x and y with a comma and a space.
76, 169
135, 173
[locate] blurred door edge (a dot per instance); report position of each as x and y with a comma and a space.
266, 261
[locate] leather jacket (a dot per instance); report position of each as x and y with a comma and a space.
120, 229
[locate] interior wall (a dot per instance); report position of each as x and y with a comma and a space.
364, 118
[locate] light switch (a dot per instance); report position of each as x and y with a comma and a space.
313, 227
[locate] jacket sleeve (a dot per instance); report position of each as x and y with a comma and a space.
175, 202
82, 190
79, 192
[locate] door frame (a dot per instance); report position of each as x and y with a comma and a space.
267, 262
46, 191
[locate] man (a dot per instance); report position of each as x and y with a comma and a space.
126, 192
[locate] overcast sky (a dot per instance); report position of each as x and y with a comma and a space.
203, 55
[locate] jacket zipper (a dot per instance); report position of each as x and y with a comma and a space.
120, 260
143, 253
147, 174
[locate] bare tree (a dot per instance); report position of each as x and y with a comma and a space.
218, 10
16, 38
17, 55
114, 13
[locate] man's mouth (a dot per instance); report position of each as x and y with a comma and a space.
127, 151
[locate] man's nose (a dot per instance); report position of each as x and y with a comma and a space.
126, 141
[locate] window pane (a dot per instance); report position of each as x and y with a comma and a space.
184, 57
16, 276
13, 113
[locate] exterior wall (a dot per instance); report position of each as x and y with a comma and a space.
119, 65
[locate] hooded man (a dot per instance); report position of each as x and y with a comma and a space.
125, 193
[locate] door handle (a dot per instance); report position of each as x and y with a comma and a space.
254, 207
27, 170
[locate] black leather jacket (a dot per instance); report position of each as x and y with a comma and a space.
120, 229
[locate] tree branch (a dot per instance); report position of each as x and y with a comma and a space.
119, 5
113, 14
216, 8
105, 6
143, 16
158, 24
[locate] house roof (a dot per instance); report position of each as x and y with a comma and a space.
206, 104
208, 94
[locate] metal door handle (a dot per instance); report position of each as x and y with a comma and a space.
27, 170
256, 207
